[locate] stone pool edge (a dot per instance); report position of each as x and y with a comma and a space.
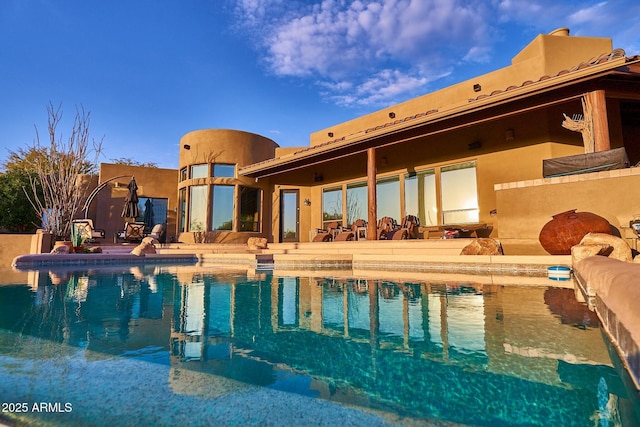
612, 288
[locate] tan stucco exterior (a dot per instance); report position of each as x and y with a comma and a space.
507, 122
223, 147
152, 182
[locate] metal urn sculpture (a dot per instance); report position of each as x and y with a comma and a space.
567, 229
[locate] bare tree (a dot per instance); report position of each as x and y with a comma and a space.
59, 170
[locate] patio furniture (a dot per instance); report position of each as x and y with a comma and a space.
408, 229
386, 225
344, 234
133, 232
156, 232
327, 235
359, 228
84, 227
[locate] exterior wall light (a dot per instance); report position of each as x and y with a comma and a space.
330, 134
186, 147
477, 87
392, 115
307, 202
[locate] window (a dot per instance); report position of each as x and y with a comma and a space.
200, 171
221, 170
183, 174
182, 206
249, 209
357, 202
152, 211
388, 197
420, 196
222, 207
331, 205
197, 208
459, 194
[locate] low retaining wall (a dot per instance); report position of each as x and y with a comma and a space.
613, 289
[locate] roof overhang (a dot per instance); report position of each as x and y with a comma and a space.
619, 78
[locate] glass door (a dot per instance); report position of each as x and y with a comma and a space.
289, 216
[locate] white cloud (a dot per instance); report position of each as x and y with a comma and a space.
378, 51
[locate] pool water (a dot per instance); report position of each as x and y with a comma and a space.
187, 346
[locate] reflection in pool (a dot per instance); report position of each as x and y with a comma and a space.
190, 345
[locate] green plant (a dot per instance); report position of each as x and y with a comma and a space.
77, 239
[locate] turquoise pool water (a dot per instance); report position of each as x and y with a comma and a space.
188, 346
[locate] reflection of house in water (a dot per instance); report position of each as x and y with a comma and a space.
402, 343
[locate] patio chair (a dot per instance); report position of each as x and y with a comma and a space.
85, 228
344, 234
359, 227
156, 232
133, 232
358, 231
327, 235
410, 224
386, 225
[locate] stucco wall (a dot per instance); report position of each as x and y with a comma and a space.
152, 182
225, 146
524, 207
12, 245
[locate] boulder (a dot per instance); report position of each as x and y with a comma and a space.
60, 249
620, 251
255, 243
147, 246
580, 252
483, 246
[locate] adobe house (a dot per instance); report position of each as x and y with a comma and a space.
470, 154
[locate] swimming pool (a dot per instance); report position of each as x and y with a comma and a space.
184, 345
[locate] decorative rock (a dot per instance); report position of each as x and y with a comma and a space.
147, 246
580, 252
60, 249
255, 243
621, 249
483, 246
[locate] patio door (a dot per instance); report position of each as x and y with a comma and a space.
289, 216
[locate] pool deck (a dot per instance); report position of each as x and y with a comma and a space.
406, 255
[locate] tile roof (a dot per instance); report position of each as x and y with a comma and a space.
604, 58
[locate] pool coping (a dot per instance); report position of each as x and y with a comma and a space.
475, 264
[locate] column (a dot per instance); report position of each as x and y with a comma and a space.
372, 211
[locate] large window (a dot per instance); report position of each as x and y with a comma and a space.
249, 209
222, 207
183, 174
331, 205
420, 196
152, 211
356, 202
182, 206
221, 170
199, 171
197, 208
388, 197
459, 194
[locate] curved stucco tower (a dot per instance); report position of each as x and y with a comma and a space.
215, 203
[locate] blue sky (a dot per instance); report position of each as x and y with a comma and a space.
149, 71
